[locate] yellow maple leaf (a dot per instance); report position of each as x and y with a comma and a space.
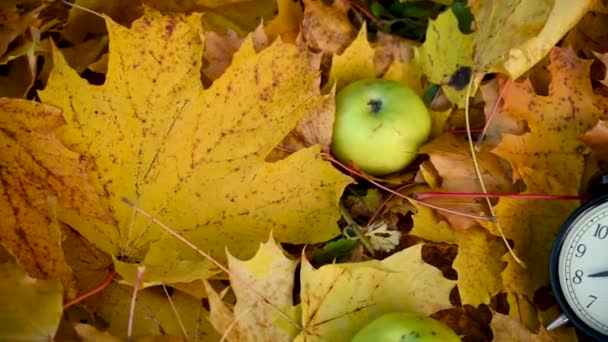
511, 36
446, 56
38, 174
31, 308
478, 261
548, 159
338, 299
156, 314
355, 63
271, 274
194, 157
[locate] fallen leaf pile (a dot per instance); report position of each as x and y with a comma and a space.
170, 161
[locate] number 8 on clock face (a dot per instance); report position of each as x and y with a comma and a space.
579, 268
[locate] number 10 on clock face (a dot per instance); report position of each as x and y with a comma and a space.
582, 267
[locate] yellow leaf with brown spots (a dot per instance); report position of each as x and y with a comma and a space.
38, 174
548, 159
194, 157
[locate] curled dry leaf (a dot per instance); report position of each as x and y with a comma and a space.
451, 160
597, 139
327, 28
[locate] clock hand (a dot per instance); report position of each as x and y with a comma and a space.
599, 274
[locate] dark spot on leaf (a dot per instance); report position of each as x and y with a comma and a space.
460, 79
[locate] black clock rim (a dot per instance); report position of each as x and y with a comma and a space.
553, 272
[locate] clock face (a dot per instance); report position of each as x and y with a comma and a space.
582, 268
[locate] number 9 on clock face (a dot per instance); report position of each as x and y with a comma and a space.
580, 260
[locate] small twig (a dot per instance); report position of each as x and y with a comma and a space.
215, 262
83, 9
464, 131
425, 195
179, 319
478, 173
138, 281
367, 13
385, 188
355, 227
501, 94
95, 290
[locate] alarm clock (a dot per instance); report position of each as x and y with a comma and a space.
579, 269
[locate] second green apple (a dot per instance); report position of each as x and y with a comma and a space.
379, 125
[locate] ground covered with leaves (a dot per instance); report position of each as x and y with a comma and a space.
165, 166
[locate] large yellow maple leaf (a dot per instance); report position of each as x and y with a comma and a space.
548, 159
336, 300
194, 157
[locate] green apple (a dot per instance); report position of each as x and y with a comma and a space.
400, 326
379, 125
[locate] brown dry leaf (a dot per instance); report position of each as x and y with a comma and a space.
82, 23
597, 139
451, 160
589, 35
313, 129
390, 49
20, 78
510, 329
327, 28
82, 55
501, 123
603, 57
549, 160
218, 52
15, 18
39, 174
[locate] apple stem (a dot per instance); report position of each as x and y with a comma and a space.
107, 280
356, 228
333, 160
425, 195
